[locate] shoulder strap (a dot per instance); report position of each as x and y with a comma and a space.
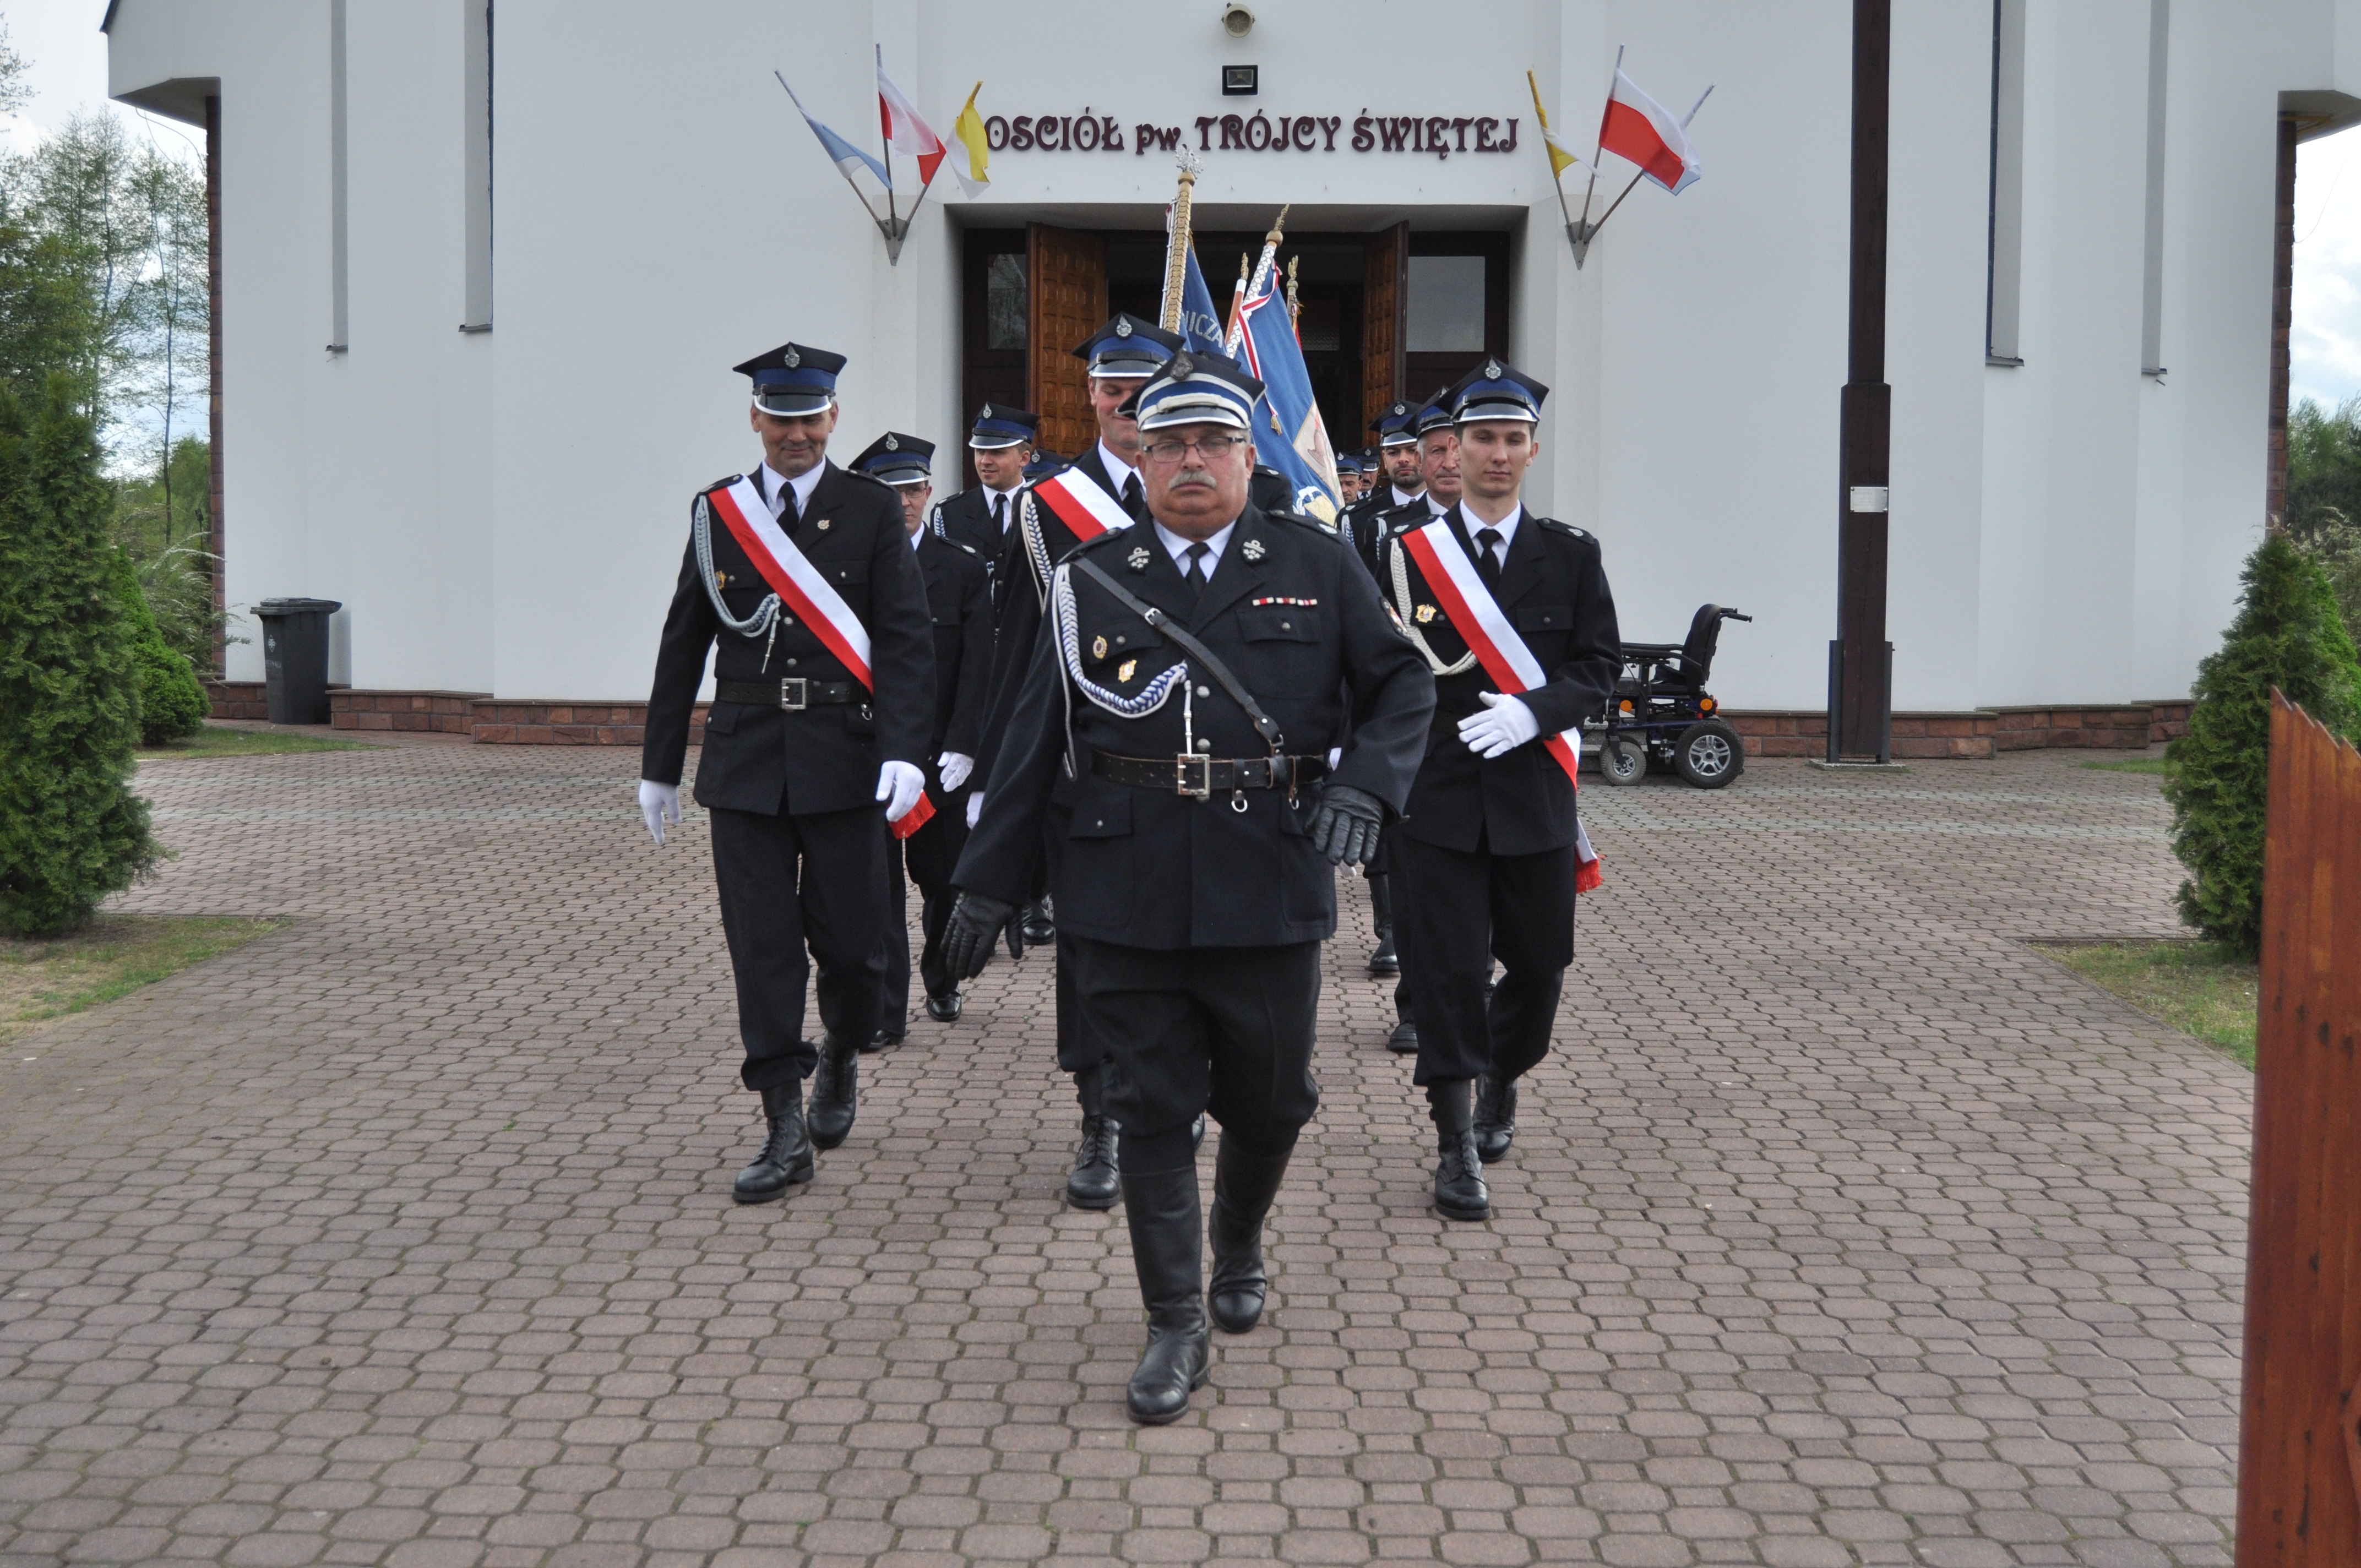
1265, 726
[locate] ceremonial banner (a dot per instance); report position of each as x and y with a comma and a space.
1477, 616
1289, 435
1085, 509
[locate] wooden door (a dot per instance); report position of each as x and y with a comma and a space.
1066, 274
1385, 295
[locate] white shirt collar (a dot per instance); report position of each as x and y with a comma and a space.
1177, 547
1117, 469
776, 485
1433, 508
918, 538
1507, 525
1403, 497
993, 498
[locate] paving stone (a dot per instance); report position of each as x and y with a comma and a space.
1842, 1227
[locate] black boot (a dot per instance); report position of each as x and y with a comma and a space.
1385, 960
1040, 925
1244, 1186
785, 1159
1403, 1041
1091, 1181
1460, 1191
1166, 1228
835, 1084
1496, 1117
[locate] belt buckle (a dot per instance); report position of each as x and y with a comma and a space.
1203, 789
794, 693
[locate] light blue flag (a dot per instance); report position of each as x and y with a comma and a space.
1288, 433
841, 152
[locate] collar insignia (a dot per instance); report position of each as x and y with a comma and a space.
823, 525
1137, 560
1252, 550
792, 358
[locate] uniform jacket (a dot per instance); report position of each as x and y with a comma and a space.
966, 519
1300, 625
1025, 590
1553, 591
761, 757
959, 599
1364, 522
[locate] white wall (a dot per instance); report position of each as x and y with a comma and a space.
505, 512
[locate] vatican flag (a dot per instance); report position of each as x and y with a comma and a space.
1560, 159
968, 129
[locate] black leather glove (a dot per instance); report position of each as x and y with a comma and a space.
1344, 825
975, 921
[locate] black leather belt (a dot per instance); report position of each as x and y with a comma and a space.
1203, 777
792, 692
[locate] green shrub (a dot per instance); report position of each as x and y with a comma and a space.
2288, 634
171, 702
71, 830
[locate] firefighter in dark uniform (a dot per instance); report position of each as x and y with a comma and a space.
1394, 484
1120, 355
984, 518
958, 598
799, 752
1195, 673
1484, 855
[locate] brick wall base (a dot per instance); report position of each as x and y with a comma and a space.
1979, 733
432, 712
495, 721
238, 699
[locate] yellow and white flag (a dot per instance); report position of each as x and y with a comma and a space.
1560, 159
968, 130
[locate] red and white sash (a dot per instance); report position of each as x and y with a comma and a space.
1477, 616
1085, 509
800, 586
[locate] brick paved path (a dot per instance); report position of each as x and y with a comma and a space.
1843, 1228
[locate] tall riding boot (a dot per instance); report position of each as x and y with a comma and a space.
1496, 1116
1166, 1231
785, 1159
1385, 960
835, 1085
1091, 1182
1244, 1186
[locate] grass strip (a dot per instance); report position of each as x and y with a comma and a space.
219, 741
2135, 765
2200, 987
41, 979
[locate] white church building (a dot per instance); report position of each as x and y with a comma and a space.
484, 266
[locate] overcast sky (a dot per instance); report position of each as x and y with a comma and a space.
61, 43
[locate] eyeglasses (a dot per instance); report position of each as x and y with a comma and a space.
1208, 447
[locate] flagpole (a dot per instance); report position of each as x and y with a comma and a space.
1548, 157
838, 167
1594, 149
893, 224
1695, 106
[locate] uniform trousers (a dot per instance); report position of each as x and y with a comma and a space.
1075, 1053
929, 856
789, 882
1455, 912
1222, 1031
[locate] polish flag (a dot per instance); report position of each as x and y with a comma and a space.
906, 130
1639, 128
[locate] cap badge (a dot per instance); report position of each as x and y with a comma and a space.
791, 359
1125, 672
1183, 367
1425, 613
986, 414
893, 444
1098, 647
1137, 560
1122, 329
1252, 550
1492, 369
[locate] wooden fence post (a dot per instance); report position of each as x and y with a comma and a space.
2298, 1476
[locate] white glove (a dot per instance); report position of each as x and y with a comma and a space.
1508, 724
955, 769
659, 804
899, 785
974, 808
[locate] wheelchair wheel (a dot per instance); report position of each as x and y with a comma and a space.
1708, 753
1623, 760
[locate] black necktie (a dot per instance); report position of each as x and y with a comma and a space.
1133, 502
1196, 572
999, 512
1488, 565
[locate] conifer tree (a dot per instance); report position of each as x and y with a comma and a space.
71, 830
2288, 634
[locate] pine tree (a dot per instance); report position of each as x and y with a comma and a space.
71, 830
2288, 634
171, 702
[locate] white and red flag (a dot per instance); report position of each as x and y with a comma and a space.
1477, 616
802, 588
1643, 131
906, 129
